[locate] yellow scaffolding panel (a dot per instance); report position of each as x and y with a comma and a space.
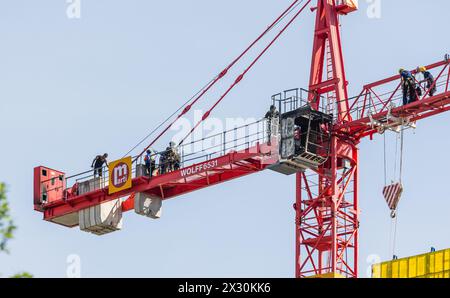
431, 265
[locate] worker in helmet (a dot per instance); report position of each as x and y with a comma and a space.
408, 86
150, 162
429, 79
173, 157
272, 116
98, 163
170, 159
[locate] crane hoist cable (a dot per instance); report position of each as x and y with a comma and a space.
166, 120
394, 223
242, 75
385, 160
190, 103
395, 219
202, 92
394, 197
392, 192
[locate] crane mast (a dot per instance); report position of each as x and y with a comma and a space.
327, 214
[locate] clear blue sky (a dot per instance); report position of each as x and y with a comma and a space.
64, 81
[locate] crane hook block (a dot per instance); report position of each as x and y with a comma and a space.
392, 194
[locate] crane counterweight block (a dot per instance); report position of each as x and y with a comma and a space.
101, 219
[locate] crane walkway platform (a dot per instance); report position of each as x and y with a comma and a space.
379, 106
213, 160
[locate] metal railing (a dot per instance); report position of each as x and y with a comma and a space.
237, 139
380, 98
292, 99
316, 142
247, 136
373, 99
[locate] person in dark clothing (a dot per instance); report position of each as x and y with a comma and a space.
298, 140
98, 163
272, 113
170, 159
271, 116
429, 80
409, 86
173, 157
163, 163
150, 162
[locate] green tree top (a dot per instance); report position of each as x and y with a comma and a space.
7, 226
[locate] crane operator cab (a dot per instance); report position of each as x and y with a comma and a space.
304, 140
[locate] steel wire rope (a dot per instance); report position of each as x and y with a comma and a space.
166, 120
240, 77
207, 87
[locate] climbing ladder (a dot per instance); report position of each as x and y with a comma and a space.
331, 96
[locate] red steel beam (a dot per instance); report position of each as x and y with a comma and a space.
219, 170
396, 77
418, 110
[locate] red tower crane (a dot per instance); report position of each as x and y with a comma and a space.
326, 207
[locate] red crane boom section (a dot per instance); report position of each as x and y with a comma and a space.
236, 164
378, 99
195, 177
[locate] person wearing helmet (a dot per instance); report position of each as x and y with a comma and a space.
98, 163
429, 79
170, 159
173, 157
408, 86
150, 162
